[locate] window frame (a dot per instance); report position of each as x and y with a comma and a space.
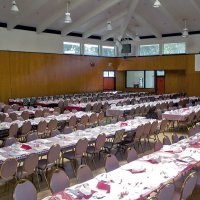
144, 71
139, 53
64, 43
91, 45
172, 43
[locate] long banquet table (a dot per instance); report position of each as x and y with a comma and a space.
41, 146
35, 121
180, 114
137, 179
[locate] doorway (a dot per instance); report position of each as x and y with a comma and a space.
160, 85
109, 81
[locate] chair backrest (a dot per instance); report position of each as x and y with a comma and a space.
13, 116
158, 145
26, 127
42, 127
30, 163
88, 107
154, 127
80, 127
163, 125
53, 154
101, 116
72, 121
84, 173
52, 125
100, 141
131, 155
8, 168
13, 130
146, 130
25, 115
31, 136
111, 163
9, 141
7, 119
166, 141
67, 130
25, 190
166, 192
93, 118
84, 119
175, 138
81, 147
189, 185
38, 113
54, 133
59, 181
194, 130
139, 131
118, 136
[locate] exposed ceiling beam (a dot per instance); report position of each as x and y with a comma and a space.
195, 5
149, 26
95, 29
131, 10
170, 16
33, 6
91, 14
59, 13
130, 34
110, 34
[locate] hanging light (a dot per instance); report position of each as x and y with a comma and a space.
109, 26
156, 4
68, 18
185, 33
137, 38
14, 7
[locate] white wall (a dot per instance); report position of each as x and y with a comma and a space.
29, 41
192, 43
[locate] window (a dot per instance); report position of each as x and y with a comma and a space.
71, 47
107, 74
148, 50
149, 79
140, 79
108, 51
135, 79
160, 73
91, 49
174, 48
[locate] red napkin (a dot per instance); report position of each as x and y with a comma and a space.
81, 195
103, 186
153, 161
123, 124
64, 196
197, 145
133, 171
25, 147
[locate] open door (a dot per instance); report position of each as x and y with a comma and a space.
160, 85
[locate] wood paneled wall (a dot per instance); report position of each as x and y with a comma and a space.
38, 74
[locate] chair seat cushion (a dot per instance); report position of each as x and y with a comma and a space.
69, 155
42, 164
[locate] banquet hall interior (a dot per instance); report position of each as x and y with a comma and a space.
99, 99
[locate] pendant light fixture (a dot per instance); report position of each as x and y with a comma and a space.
68, 18
185, 33
109, 26
14, 7
156, 4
